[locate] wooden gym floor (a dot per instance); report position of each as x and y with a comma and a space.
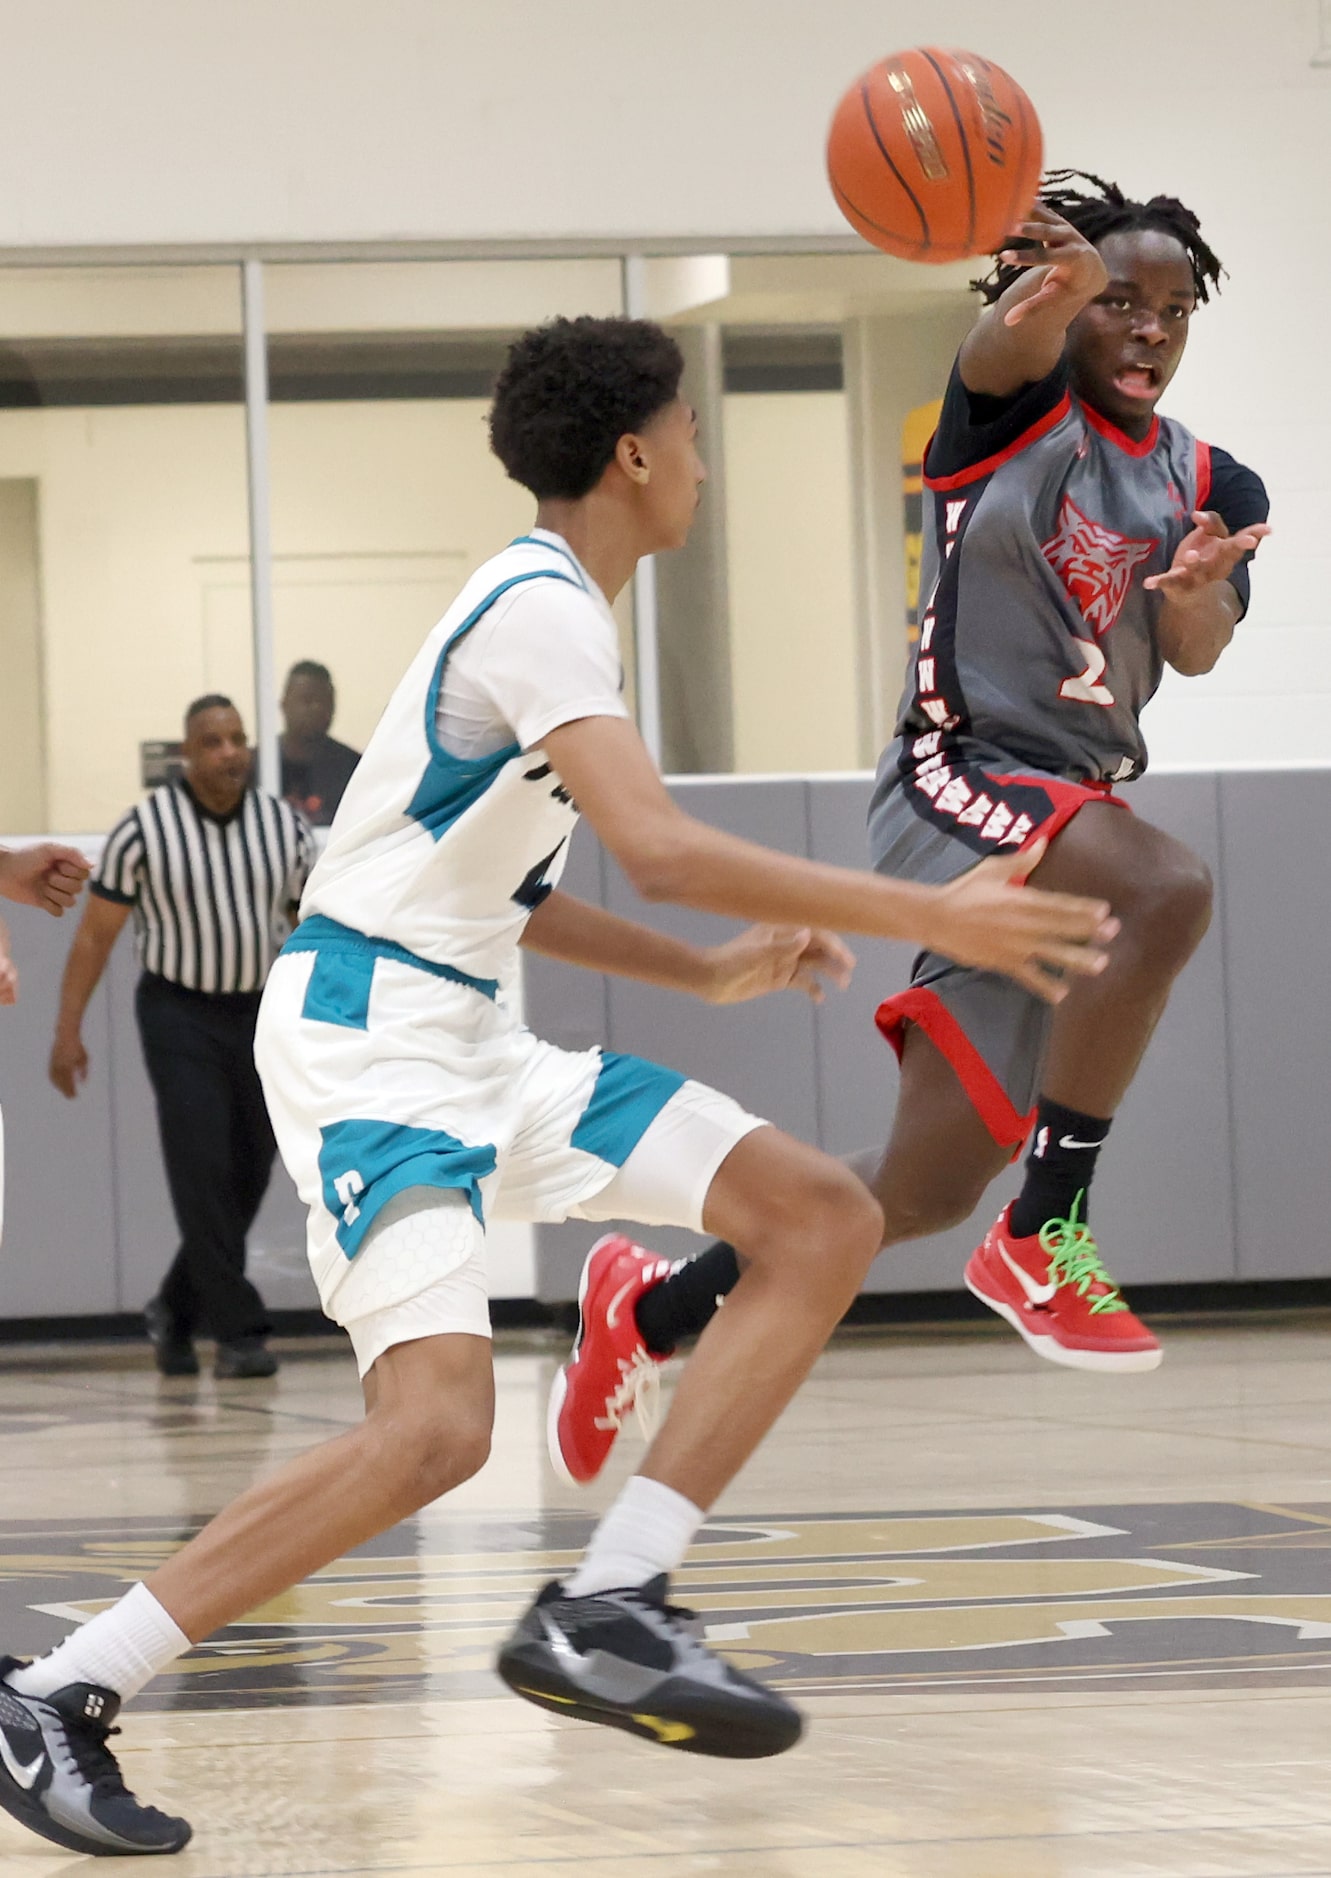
1046, 1625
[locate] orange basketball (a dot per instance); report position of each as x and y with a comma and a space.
935, 155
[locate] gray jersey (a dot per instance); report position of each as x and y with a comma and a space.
1036, 632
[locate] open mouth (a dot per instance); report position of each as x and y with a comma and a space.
1138, 380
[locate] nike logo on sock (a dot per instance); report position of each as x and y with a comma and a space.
1066, 1141
22, 1776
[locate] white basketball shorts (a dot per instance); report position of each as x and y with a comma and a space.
410, 1108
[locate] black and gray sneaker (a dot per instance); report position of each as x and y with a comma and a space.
59, 1779
630, 1660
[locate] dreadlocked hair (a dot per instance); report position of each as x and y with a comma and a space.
1106, 213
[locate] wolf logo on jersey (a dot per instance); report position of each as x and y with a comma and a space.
1095, 564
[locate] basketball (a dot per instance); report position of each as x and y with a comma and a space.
935, 155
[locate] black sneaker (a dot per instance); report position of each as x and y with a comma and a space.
172, 1347
60, 1780
629, 1660
244, 1357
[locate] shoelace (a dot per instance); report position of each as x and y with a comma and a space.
639, 1389
91, 1756
1074, 1259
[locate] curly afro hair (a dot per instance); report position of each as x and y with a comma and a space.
1102, 210
570, 390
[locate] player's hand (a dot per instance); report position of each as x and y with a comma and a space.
777, 958
48, 875
1063, 265
8, 980
69, 1065
1210, 553
989, 918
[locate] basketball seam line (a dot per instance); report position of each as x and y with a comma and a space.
964, 142
886, 155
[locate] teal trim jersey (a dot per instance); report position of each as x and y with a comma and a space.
447, 856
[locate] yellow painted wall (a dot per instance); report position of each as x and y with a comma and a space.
792, 619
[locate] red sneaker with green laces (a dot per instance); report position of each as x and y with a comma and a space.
1054, 1291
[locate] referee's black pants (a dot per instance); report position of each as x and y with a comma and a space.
218, 1146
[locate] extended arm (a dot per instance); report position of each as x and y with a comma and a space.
763, 959
1199, 608
980, 919
1019, 339
97, 933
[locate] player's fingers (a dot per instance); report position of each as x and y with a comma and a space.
1086, 961
830, 953
1213, 523
1023, 865
1047, 988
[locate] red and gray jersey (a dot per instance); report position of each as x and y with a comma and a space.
1042, 521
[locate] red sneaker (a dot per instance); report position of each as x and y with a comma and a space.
1054, 1291
611, 1369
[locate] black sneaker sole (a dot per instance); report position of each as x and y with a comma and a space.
682, 1716
20, 1805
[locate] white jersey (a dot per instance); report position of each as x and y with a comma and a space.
447, 855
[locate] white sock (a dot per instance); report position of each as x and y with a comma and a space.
120, 1649
648, 1530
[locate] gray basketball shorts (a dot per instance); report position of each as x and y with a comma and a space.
931, 821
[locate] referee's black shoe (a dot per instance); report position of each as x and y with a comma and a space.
244, 1358
172, 1347
629, 1660
60, 1780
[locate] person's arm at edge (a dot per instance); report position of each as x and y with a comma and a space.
98, 931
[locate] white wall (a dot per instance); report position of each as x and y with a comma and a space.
310, 120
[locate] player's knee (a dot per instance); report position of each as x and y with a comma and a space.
1175, 908
923, 1211
836, 1221
437, 1451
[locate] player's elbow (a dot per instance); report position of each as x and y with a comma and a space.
660, 865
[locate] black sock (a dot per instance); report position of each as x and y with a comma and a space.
1060, 1165
685, 1302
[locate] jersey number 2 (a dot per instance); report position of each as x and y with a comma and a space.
1087, 688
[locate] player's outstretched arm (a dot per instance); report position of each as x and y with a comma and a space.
763, 959
982, 919
98, 931
1199, 608
1019, 339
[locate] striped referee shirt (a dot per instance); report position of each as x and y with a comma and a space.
212, 894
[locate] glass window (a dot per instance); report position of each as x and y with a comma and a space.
123, 529
385, 496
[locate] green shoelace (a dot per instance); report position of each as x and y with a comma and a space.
1074, 1259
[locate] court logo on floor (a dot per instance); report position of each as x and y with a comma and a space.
1206, 1595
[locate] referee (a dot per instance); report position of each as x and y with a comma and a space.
212, 870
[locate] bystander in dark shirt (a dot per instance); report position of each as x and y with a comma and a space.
314, 784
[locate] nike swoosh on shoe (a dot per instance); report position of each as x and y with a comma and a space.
612, 1312
1036, 1293
23, 1776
